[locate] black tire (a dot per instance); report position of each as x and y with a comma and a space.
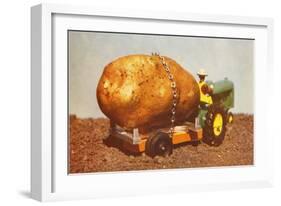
159, 144
213, 135
111, 141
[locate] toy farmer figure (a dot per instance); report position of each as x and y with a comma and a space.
205, 89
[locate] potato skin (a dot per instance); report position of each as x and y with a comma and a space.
135, 92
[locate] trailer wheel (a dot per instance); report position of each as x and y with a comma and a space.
159, 144
215, 126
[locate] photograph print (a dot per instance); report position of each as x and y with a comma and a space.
155, 101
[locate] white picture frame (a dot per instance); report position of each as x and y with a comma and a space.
49, 177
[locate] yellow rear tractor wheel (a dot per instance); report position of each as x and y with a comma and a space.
215, 126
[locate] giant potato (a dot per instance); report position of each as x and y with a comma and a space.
135, 92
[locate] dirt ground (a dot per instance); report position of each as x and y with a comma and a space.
88, 153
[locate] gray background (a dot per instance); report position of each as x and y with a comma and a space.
89, 52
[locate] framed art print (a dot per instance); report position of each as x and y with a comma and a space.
137, 103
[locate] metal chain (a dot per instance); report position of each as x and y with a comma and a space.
174, 92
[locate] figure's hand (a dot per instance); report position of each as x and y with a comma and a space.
207, 89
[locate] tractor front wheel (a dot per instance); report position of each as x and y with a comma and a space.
230, 117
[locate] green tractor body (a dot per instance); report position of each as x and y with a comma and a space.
214, 117
223, 93
223, 96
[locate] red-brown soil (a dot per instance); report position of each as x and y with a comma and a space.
88, 153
